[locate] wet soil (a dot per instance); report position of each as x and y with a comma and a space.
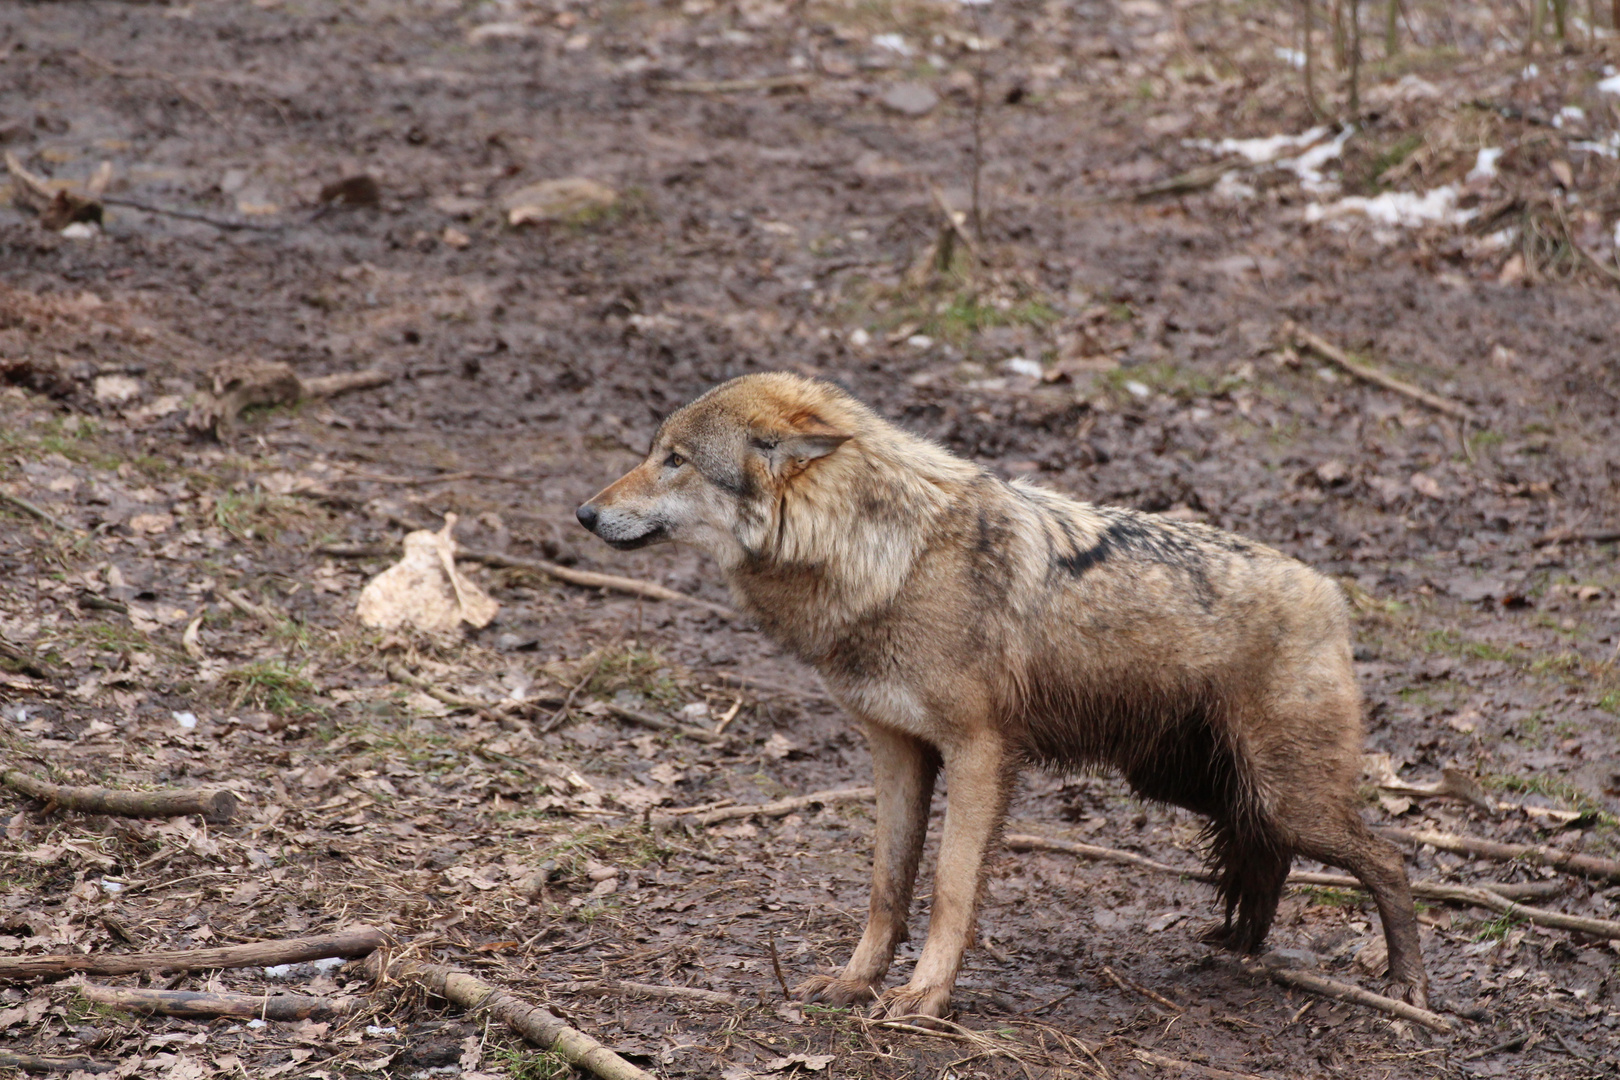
790, 224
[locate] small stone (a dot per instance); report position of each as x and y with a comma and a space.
911, 99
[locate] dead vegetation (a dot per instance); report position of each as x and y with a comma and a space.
614, 803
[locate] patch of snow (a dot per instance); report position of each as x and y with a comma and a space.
859, 338
1404, 208
1611, 85
893, 43
1233, 188
187, 720
1260, 151
1485, 163
328, 963
1530, 71
81, 230
1291, 57
378, 1029
1136, 389
1610, 147
920, 341
1567, 114
1022, 365
1308, 166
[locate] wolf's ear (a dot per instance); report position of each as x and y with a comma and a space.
809, 439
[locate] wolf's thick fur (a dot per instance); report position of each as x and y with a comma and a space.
981, 626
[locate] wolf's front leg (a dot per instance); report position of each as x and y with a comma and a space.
904, 769
976, 790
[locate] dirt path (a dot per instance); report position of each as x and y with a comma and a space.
773, 169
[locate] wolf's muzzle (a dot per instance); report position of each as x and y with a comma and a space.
587, 516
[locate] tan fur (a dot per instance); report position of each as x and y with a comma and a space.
980, 626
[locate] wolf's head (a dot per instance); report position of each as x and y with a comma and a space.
719, 467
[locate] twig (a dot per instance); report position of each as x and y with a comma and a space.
228, 224
593, 580
702, 735
1137, 988
1587, 865
1436, 890
562, 711
269, 618
35, 512
1164, 1061
215, 806
1321, 984
399, 673
770, 84
534, 1023
10, 1059
192, 1005
1366, 372
344, 382
673, 993
955, 225
1511, 1043
776, 966
26, 662
1565, 536
358, 941
1025, 842
779, 808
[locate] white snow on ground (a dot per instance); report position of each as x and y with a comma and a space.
1485, 163
1260, 151
1611, 85
1404, 208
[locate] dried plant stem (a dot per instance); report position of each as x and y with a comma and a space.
779, 808
40, 1063
20, 503
1191, 1068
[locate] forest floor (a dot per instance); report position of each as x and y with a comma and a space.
1121, 333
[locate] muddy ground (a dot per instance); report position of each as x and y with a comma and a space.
1145, 274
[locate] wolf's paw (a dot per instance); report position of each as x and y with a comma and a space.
834, 990
914, 1001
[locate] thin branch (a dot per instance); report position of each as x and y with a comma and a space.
10, 1059
534, 1023
1321, 984
593, 580
1367, 373
20, 503
652, 990
358, 941
779, 808
1586, 865
1164, 1061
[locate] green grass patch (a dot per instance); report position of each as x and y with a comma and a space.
271, 685
1330, 897
522, 1064
1452, 643
1497, 929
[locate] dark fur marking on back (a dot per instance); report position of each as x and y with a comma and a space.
1128, 536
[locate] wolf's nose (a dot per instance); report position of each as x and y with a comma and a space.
587, 516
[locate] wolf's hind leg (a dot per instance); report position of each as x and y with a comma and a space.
1342, 840
904, 769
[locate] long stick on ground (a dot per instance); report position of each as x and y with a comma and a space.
215, 806
1321, 984
779, 808
1586, 865
10, 1059
592, 580
652, 990
1367, 373
358, 941
35, 512
1193, 1068
1436, 890
534, 1023
200, 1006
1478, 896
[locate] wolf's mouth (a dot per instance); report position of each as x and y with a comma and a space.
651, 536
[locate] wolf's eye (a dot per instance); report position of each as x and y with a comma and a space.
674, 461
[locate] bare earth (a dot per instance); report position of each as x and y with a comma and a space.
787, 223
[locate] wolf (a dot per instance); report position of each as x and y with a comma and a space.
977, 626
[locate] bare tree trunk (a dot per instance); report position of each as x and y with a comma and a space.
1392, 28
1355, 59
1560, 12
1310, 57
1336, 19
